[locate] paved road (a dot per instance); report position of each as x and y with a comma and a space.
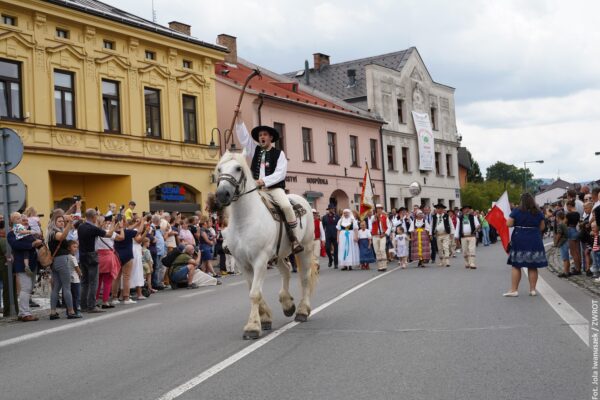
433, 333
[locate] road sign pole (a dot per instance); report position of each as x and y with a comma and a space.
6, 212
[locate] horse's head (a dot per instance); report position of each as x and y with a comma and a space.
233, 175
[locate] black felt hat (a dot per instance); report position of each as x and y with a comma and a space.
272, 131
465, 206
440, 205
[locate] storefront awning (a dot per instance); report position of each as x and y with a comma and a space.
312, 195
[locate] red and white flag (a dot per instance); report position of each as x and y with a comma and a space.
498, 216
366, 197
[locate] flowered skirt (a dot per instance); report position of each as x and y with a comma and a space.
527, 248
420, 245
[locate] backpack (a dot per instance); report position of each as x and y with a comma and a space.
167, 260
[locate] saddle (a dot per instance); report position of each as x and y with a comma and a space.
276, 211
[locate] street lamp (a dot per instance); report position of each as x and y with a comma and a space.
213, 148
598, 153
525, 171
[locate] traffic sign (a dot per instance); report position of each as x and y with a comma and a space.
16, 192
13, 148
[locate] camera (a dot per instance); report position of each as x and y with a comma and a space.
77, 197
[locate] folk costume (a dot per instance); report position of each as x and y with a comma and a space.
443, 232
319, 236
348, 253
365, 248
380, 230
420, 240
270, 165
467, 233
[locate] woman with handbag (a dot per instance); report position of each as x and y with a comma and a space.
109, 265
59, 227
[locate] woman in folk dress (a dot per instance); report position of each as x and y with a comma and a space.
420, 240
348, 253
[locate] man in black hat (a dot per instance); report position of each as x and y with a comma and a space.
330, 221
443, 232
269, 168
466, 232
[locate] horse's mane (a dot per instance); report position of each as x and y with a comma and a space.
240, 158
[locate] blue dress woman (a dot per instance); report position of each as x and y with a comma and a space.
526, 244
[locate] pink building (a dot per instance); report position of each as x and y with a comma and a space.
326, 140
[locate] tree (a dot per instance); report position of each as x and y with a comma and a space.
481, 195
474, 174
508, 173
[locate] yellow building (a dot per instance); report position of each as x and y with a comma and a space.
110, 107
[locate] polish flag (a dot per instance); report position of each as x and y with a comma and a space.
498, 217
366, 197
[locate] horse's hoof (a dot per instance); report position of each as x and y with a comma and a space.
266, 326
290, 312
251, 335
301, 318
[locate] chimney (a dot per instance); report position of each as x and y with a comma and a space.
231, 43
306, 73
351, 77
181, 27
321, 60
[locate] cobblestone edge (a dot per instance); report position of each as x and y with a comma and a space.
585, 282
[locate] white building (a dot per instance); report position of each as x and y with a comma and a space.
392, 85
553, 192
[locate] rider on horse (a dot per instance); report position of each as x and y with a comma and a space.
269, 169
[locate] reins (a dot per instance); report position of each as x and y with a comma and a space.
239, 186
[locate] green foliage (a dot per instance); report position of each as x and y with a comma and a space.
508, 173
480, 195
474, 174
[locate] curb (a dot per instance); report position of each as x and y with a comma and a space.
585, 282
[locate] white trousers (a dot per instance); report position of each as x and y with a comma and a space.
469, 245
279, 197
379, 243
443, 248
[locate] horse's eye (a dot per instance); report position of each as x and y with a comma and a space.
219, 170
239, 169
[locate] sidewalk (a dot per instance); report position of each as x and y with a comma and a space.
586, 282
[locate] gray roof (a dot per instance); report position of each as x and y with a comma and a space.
463, 158
333, 78
559, 183
109, 12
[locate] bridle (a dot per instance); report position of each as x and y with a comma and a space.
239, 185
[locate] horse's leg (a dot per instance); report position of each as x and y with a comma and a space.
252, 329
286, 300
266, 315
308, 281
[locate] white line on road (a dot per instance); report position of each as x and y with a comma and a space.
570, 315
80, 323
197, 293
215, 369
236, 284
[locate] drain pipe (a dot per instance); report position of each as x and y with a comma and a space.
383, 169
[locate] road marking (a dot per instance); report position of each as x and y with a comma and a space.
236, 284
80, 323
197, 293
570, 315
215, 369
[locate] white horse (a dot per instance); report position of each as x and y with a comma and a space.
252, 238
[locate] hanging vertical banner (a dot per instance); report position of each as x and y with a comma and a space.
425, 138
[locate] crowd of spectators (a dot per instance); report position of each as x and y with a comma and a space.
100, 261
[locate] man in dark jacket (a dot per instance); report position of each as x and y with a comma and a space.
330, 221
24, 248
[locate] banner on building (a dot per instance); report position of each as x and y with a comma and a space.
425, 138
366, 197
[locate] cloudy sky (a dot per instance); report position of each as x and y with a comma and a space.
526, 72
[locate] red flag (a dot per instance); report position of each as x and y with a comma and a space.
498, 216
366, 197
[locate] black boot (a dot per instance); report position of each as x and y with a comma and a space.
296, 246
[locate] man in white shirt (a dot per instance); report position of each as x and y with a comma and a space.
380, 229
467, 228
443, 231
269, 168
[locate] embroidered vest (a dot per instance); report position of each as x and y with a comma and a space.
317, 229
375, 227
460, 225
271, 158
446, 223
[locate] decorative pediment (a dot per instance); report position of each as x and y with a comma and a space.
163, 72
67, 48
194, 78
416, 75
120, 61
19, 37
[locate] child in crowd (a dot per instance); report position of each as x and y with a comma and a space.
401, 246
147, 263
73, 264
365, 246
596, 251
561, 241
20, 226
33, 220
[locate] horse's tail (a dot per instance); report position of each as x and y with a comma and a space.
313, 275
